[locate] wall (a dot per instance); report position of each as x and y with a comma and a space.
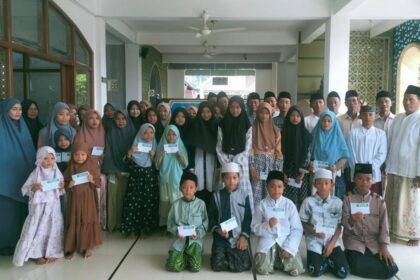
287, 78
115, 71
263, 81
153, 57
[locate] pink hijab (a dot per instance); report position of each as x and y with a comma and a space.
89, 135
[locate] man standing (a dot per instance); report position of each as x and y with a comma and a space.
252, 102
317, 105
367, 144
385, 117
333, 102
284, 101
350, 119
270, 98
403, 168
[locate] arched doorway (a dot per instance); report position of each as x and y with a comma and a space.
155, 84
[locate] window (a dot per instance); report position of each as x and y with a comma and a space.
2, 19
60, 34
27, 23
82, 54
3, 74
82, 88
408, 72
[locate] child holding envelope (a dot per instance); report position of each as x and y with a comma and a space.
82, 177
276, 223
321, 218
230, 221
42, 234
188, 222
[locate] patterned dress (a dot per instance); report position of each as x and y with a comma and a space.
141, 203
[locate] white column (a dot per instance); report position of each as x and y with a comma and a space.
99, 54
132, 72
337, 52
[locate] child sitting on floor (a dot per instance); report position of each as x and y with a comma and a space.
187, 214
321, 219
276, 222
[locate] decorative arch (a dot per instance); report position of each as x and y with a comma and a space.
155, 81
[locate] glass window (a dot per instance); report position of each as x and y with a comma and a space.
82, 87
60, 34
3, 74
82, 53
17, 61
27, 23
2, 19
37, 63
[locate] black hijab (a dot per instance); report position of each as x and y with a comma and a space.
185, 129
234, 128
107, 122
204, 133
137, 122
34, 125
158, 125
118, 142
62, 132
295, 142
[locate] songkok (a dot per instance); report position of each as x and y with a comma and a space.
367, 108
383, 93
351, 93
253, 95
275, 175
333, 94
363, 168
188, 176
269, 94
322, 173
284, 94
230, 167
412, 90
316, 96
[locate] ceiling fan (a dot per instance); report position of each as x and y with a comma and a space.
209, 50
205, 30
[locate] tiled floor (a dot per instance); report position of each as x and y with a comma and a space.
147, 258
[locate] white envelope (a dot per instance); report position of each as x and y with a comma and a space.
80, 178
360, 207
58, 157
50, 184
97, 151
171, 148
263, 175
186, 230
327, 229
144, 147
65, 156
292, 182
228, 225
276, 212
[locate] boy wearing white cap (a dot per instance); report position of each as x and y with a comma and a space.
230, 222
321, 219
276, 223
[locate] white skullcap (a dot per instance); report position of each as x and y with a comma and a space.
322, 173
230, 167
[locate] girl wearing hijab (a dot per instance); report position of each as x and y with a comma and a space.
92, 134
133, 109
329, 149
108, 117
204, 140
141, 202
265, 153
118, 142
42, 234
153, 118
234, 140
144, 105
182, 121
170, 165
295, 145
30, 116
164, 112
60, 118
81, 111
83, 231
17, 154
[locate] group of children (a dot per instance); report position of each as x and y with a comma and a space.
279, 227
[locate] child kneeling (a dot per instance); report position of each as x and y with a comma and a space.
276, 223
321, 218
187, 221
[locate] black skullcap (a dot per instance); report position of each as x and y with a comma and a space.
188, 176
275, 174
253, 95
316, 96
284, 94
221, 95
351, 93
412, 90
367, 108
333, 94
269, 94
211, 95
363, 168
383, 93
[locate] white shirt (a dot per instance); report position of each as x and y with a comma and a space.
275, 114
347, 124
288, 232
310, 122
367, 146
404, 146
384, 124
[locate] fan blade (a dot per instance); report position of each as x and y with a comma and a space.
194, 28
228, 29
198, 35
207, 55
